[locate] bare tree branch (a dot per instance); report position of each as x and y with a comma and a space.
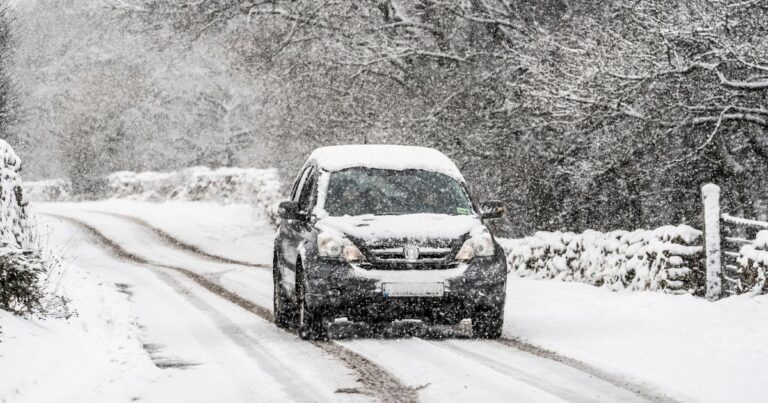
742, 85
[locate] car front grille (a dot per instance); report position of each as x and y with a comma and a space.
426, 255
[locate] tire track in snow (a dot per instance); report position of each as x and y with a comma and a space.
646, 393
564, 379
550, 385
179, 243
380, 382
269, 361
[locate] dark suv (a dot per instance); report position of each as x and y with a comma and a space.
381, 233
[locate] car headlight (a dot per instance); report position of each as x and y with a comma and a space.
478, 245
336, 247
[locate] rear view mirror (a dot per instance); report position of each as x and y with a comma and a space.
493, 209
289, 210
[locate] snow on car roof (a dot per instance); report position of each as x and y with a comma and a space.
394, 157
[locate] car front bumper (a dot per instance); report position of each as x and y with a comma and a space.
340, 289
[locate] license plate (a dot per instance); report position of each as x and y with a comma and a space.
413, 289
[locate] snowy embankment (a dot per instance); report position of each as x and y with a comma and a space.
693, 349
665, 259
687, 347
86, 357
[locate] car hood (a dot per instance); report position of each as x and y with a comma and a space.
421, 228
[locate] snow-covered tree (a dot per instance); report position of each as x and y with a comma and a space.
578, 114
6, 83
99, 94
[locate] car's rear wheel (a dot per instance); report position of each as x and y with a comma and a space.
283, 309
312, 324
487, 323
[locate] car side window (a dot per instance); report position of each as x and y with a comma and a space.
305, 196
299, 184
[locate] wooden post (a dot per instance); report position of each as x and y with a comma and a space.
710, 194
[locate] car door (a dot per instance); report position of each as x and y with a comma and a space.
293, 232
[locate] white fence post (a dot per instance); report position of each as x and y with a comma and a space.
711, 196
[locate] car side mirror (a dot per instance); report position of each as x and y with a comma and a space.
493, 209
289, 210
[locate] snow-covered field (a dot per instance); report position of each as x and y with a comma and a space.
666, 346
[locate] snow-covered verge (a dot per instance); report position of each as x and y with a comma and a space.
687, 347
86, 358
667, 259
55, 320
259, 188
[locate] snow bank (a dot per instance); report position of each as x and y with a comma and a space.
92, 356
689, 348
260, 188
668, 259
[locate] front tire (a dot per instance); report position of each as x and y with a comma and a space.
283, 310
312, 324
487, 323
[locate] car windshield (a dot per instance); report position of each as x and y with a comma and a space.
360, 191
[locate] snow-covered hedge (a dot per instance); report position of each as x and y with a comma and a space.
21, 291
667, 259
753, 260
224, 185
21, 264
13, 217
259, 187
51, 190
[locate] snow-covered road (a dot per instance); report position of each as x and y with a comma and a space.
197, 316
209, 348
